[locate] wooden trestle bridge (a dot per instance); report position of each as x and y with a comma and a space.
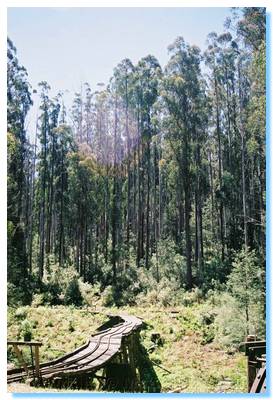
108, 350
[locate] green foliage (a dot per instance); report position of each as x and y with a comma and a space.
51, 293
208, 333
26, 330
91, 294
54, 285
108, 297
168, 263
73, 294
21, 293
49, 323
245, 282
20, 313
230, 325
191, 297
165, 293
71, 327
18, 104
215, 269
252, 26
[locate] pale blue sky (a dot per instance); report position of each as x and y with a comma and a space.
69, 46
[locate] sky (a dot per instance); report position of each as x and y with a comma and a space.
69, 46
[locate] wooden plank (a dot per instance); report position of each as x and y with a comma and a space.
246, 345
112, 341
111, 351
22, 343
259, 382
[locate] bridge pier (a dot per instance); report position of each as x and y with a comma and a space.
122, 373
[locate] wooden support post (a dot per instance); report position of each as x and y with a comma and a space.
251, 368
124, 353
37, 362
20, 357
135, 383
132, 351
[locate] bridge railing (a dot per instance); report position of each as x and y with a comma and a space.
36, 364
255, 350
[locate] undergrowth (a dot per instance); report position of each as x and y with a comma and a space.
187, 355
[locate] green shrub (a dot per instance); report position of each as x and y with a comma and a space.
168, 263
208, 333
215, 269
108, 298
20, 294
20, 313
193, 296
207, 317
71, 327
91, 294
189, 322
53, 291
73, 294
38, 300
230, 326
35, 324
246, 285
26, 330
166, 292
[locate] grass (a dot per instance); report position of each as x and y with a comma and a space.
185, 360
61, 329
194, 366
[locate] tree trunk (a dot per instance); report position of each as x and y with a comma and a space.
147, 254
187, 207
221, 207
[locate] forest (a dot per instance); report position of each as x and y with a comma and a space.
149, 191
